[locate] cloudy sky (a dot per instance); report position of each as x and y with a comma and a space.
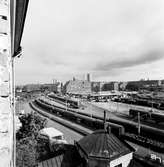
110, 39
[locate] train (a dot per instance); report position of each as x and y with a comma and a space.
147, 115
66, 100
119, 128
129, 127
83, 118
142, 102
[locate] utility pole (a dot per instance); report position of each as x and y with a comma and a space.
139, 124
116, 106
105, 126
152, 104
66, 103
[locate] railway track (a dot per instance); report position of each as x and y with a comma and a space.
45, 114
150, 123
115, 120
123, 118
76, 127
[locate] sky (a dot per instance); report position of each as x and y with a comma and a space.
113, 40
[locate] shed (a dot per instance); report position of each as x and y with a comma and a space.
103, 149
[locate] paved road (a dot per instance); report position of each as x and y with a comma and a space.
69, 134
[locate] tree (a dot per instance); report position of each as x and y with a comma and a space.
132, 86
31, 125
27, 145
26, 152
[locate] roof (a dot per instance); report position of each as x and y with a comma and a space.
70, 158
18, 15
106, 93
53, 162
103, 145
51, 132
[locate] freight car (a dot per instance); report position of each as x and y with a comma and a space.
72, 103
152, 136
147, 131
133, 113
130, 127
157, 117
153, 104
86, 120
161, 106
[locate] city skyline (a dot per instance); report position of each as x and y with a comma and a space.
113, 41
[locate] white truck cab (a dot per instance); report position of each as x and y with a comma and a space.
55, 138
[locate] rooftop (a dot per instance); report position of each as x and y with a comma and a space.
51, 132
104, 145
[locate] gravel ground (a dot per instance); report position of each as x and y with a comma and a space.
72, 136
69, 135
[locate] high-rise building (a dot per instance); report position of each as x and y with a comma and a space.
78, 87
88, 77
74, 79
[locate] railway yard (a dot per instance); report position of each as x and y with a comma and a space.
78, 122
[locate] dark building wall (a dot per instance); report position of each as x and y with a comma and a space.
88, 78
142, 84
95, 86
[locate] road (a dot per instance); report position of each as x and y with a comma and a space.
69, 134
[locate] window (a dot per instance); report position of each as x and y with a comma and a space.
120, 165
42, 136
58, 137
3, 17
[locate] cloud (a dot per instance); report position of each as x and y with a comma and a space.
125, 62
65, 38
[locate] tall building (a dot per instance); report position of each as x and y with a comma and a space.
88, 77
78, 87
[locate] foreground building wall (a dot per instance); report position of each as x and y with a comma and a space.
123, 160
6, 96
12, 19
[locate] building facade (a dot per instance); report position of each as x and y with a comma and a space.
6, 96
109, 86
78, 87
12, 17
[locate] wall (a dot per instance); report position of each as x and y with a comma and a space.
125, 160
79, 87
6, 117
